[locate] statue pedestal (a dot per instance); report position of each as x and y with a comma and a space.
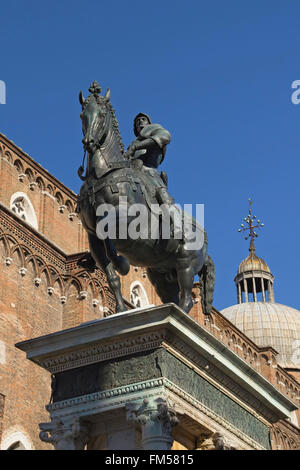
142, 378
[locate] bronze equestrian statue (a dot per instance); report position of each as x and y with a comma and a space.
112, 174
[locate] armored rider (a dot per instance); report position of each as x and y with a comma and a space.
150, 147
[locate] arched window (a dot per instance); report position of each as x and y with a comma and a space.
21, 205
16, 440
138, 296
17, 446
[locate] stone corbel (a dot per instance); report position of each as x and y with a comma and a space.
33, 185
204, 441
61, 208
220, 442
65, 434
72, 216
83, 295
156, 419
21, 177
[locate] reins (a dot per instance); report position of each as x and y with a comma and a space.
80, 170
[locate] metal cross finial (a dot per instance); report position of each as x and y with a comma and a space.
252, 223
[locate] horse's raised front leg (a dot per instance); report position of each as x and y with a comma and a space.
98, 253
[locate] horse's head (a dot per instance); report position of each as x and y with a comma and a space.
93, 116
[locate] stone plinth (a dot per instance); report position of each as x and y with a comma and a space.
142, 378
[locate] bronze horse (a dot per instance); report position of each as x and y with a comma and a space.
109, 175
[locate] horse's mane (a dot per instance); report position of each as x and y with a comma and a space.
115, 124
102, 101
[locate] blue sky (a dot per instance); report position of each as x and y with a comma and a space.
216, 74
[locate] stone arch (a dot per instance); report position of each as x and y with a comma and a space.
58, 286
255, 360
21, 205
102, 298
7, 156
19, 166
91, 286
17, 256
73, 282
249, 354
16, 439
45, 276
73, 311
30, 175
69, 206
286, 386
59, 198
138, 295
50, 189
41, 183
4, 243
31, 266
39, 265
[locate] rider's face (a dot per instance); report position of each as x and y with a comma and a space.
141, 122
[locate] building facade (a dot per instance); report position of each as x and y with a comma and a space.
49, 283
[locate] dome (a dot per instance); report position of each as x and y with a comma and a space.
269, 324
253, 263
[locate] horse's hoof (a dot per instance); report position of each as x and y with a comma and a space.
186, 306
120, 309
121, 264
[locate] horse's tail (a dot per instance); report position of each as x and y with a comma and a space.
207, 284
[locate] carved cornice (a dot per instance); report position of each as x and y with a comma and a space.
104, 352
